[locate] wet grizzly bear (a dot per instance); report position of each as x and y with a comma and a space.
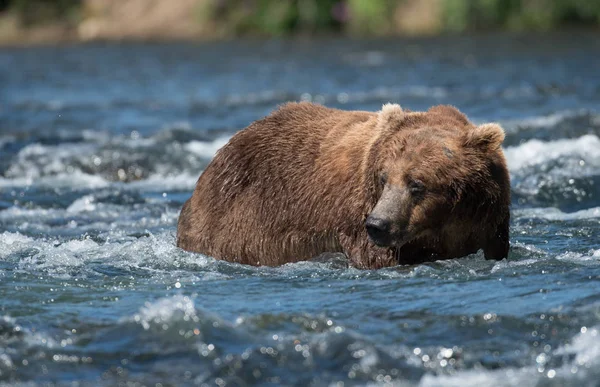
386, 188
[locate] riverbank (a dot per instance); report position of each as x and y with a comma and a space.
25, 22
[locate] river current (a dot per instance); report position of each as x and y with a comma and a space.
101, 144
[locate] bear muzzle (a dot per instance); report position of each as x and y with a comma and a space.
388, 223
378, 230
381, 233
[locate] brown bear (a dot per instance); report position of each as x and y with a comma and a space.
385, 188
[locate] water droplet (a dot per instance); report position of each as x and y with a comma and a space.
342, 97
447, 352
541, 359
306, 97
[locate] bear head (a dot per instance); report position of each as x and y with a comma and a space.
431, 170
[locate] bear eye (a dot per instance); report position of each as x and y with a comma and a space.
383, 178
416, 186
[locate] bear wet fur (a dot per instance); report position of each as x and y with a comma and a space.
385, 188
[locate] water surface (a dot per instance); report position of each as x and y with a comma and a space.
101, 144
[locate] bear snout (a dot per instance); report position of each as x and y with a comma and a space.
378, 230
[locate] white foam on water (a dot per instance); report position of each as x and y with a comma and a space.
13, 241
59, 258
504, 264
165, 310
80, 246
6, 362
507, 264
536, 152
546, 120
585, 346
36, 216
590, 256
522, 377
156, 254
51, 166
206, 149
584, 350
13, 238
582, 355
36, 160
74, 179
59, 166
47, 253
31, 338
159, 182
552, 213
83, 204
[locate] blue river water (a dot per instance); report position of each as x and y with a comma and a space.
101, 144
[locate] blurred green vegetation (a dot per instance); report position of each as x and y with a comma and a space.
462, 15
287, 17
356, 17
271, 17
35, 12
379, 17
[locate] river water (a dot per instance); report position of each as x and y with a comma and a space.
101, 144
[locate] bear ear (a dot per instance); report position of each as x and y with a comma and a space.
390, 116
486, 136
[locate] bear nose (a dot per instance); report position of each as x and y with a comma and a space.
378, 229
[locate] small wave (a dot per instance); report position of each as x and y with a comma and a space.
561, 173
535, 152
6, 139
15, 336
206, 149
175, 309
90, 215
234, 351
111, 252
84, 204
101, 159
109, 249
550, 120
555, 214
69, 179
475, 378
568, 124
11, 242
573, 363
590, 256
185, 181
585, 346
580, 356
57, 260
